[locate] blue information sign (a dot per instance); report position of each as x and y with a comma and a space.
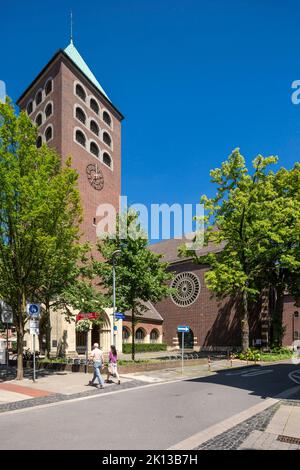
33, 310
120, 315
183, 329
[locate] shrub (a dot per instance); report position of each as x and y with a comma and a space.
250, 355
141, 347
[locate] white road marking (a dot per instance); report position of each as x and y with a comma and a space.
257, 372
240, 372
295, 376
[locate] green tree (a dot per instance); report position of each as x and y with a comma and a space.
39, 203
141, 275
67, 281
235, 220
281, 255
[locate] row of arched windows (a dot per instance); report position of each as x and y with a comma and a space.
93, 104
43, 116
140, 335
48, 135
40, 96
93, 148
92, 126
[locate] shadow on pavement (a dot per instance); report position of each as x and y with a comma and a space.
266, 381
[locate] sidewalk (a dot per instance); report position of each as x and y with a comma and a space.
282, 433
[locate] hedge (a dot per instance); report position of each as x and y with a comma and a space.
141, 347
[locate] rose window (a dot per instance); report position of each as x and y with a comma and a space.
187, 287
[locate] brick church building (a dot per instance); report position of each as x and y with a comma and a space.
75, 116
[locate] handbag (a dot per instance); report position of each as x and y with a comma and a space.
111, 368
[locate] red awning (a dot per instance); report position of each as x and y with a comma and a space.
89, 316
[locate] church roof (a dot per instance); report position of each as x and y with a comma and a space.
169, 249
74, 55
150, 314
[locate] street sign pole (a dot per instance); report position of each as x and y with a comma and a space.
34, 357
114, 304
7, 355
86, 352
182, 348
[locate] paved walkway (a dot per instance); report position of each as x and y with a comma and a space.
282, 432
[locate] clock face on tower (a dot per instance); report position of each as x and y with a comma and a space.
95, 176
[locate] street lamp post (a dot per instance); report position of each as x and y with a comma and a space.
113, 336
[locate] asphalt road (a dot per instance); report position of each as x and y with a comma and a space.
151, 417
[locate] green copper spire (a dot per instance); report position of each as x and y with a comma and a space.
74, 55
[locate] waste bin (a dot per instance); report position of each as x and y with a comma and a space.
2, 351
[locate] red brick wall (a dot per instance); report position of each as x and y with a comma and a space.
288, 310
213, 322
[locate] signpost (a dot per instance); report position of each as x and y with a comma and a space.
6, 317
182, 329
34, 312
119, 316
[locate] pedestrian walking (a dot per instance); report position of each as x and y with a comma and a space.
97, 358
112, 368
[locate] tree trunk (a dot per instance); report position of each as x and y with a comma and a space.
133, 335
20, 338
48, 328
245, 322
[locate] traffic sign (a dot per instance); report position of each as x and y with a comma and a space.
33, 310
183, 329
34, 326
120, 315
6, 312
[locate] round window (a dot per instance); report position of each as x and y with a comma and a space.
187, 287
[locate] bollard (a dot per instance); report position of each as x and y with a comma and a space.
208, 362
231, 360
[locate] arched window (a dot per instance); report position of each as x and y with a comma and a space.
29, 108
125, 334
107, 118
94, 127
80, 115
94, 106
38, 98
154, 335
80, 138
94, 149
39, 141
139, 335
39, 119
107, 139
107, 159
48, 110
80, 92
48, 87
48, 133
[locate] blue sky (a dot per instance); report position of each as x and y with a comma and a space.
194, 79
